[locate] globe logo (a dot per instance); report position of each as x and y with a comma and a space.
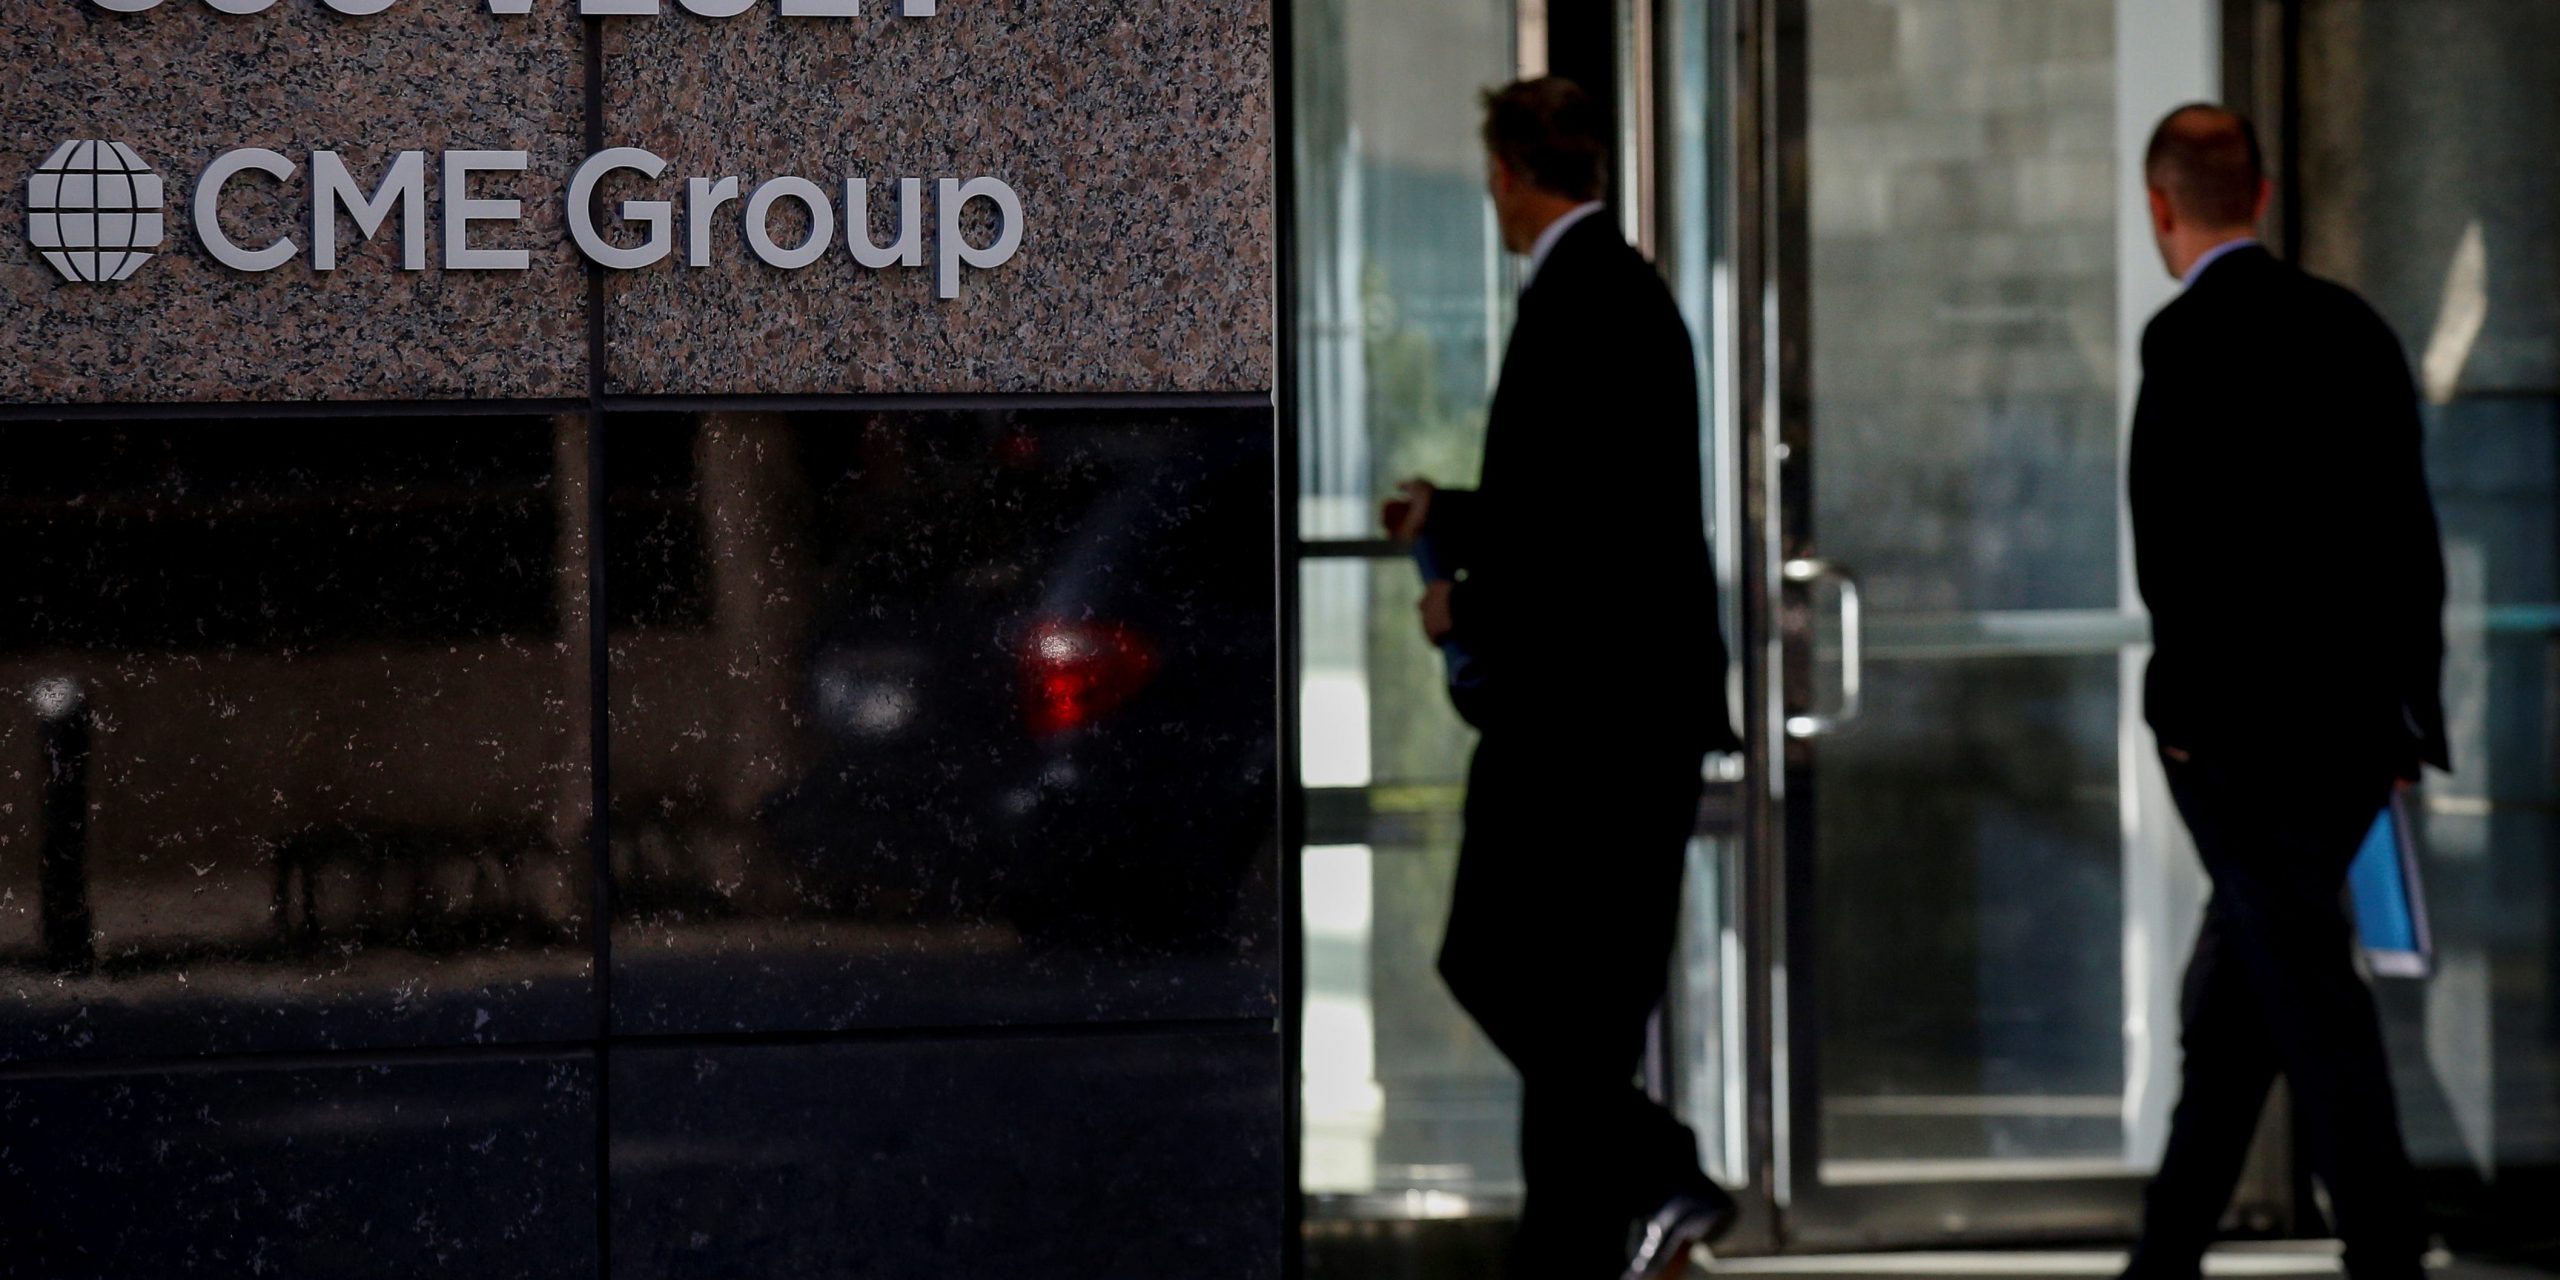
93, 210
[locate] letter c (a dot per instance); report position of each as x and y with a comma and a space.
209, 209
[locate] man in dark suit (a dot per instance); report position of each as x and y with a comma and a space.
2288, 551
1585, 603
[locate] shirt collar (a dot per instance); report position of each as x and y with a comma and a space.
1555, 231
2214, 255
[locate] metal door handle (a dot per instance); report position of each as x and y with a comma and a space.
1806, 572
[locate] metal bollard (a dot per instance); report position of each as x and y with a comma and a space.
62, 877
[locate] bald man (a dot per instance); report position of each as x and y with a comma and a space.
2288, 552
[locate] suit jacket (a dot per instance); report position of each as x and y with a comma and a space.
1587, 594
2283, 535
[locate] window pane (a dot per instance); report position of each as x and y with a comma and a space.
1403, 294
1402, 282
2426, 185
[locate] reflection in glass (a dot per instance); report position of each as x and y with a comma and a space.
293, 753
1706, 1010
1970, 848
1969, 992
1403, 287
1402, 306
2439, 209
1402, 1093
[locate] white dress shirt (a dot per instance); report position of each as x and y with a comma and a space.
1547, 239
2214, 255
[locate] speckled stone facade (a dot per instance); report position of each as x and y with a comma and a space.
1138, 135
181, 84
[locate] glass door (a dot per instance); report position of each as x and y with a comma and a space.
1401, 304
2465, 268
1984, 897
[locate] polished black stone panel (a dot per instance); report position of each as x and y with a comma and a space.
942, 718
483, 1169
293, 736
1121, 1156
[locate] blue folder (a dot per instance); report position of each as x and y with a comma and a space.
2390, 907
1461, 665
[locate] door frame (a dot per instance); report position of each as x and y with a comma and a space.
1771, 450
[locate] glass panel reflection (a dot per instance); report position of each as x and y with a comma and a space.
1970, 848
1403, 298
2426, 186
1706, 1002
924, 717
1408, 1108
1403, 290
293, 748
1967, 882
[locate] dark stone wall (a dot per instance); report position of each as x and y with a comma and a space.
680, 772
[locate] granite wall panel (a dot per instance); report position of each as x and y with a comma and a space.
1116, 1157
925, 722
183, 83
409, 1171
293, 749
1138, 136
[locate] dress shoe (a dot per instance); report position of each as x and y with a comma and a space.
1658, 1245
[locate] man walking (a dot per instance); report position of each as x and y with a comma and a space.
2288, 552
1582, 598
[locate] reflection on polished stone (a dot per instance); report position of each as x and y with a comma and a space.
293, 752
942, 718
1112, 1155
291, 1172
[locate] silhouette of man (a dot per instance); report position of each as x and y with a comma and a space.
2288, 551
1578, 601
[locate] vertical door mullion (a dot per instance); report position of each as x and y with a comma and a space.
1761, 121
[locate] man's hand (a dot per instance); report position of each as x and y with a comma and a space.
1436, 619
1404, 514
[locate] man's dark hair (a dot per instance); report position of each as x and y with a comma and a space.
1550, 132
2206, 159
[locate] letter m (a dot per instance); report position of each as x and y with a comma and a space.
333, 188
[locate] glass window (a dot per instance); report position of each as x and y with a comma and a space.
2425, 185
1403, 288
1978, 264
1403, 294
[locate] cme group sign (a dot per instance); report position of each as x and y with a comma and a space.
588, 8
96, 208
